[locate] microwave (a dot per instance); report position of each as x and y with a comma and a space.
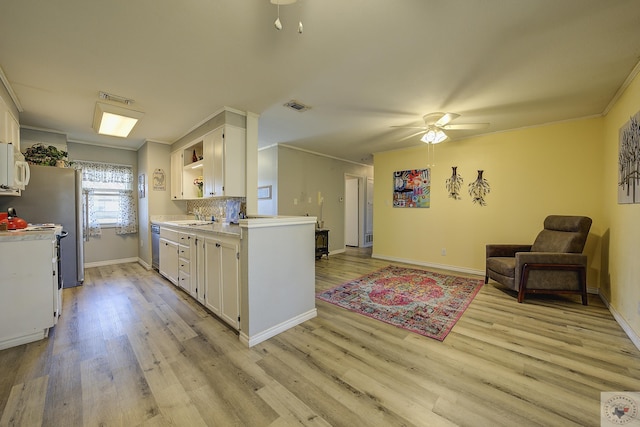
14, 171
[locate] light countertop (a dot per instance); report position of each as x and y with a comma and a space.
30, 233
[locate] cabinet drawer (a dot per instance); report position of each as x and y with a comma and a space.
169, 234
184, 265
184, 252
185, 238
184, 280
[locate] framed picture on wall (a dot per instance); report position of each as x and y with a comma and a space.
629, 161
412, 188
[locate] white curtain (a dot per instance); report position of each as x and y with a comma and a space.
103, 177
91, 226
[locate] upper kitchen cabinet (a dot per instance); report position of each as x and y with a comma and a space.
228, 176
10, 128
211, 166
186, 170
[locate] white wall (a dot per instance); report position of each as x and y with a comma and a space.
268, 176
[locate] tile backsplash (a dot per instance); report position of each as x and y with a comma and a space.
213, 207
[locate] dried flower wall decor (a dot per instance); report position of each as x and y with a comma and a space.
479, 189
454, 184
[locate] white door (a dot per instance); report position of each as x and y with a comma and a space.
351, 223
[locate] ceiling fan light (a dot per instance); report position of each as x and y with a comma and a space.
433, 136
429, 137
440, 136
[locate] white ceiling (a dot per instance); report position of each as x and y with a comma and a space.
362, 65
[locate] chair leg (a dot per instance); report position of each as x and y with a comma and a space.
583, 285
523, 283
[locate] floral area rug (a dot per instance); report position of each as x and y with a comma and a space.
419, 301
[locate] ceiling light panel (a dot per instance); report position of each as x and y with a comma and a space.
114, 121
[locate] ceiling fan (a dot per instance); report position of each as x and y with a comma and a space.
436, 123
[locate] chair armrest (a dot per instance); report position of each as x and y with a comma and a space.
550, 258
506, 250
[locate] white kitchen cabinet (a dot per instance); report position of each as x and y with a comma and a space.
169, 257
186, 267
211, 275
12, 130
229, 162
29, 289
221, 278
220, 159
9, 126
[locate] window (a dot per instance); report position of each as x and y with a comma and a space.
108, 198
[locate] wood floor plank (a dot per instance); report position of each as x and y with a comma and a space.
99, 394
25, 406
289, 407
135, 399
171, 397
63, 405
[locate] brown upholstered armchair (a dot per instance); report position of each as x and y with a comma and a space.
553, 264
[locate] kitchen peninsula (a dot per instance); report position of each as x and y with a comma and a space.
258, 276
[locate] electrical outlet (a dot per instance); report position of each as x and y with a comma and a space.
443, 251
295, 201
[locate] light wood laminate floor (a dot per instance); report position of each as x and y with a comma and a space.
132, 350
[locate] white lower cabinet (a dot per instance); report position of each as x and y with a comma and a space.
206, 266
221, 274
186, 250
29, 289
169, 259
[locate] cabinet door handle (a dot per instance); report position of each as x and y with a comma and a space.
218, 245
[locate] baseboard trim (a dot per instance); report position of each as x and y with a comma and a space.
275, 330
110, 262
431, 264
635, 339
144, 264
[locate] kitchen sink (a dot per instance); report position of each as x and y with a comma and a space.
190, 222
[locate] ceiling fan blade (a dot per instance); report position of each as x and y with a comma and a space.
446, 118
410, 127
412, 135
431, 118
466, 126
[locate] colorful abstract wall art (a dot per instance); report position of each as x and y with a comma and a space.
412, 188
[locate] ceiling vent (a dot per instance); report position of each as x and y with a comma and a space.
295, 105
